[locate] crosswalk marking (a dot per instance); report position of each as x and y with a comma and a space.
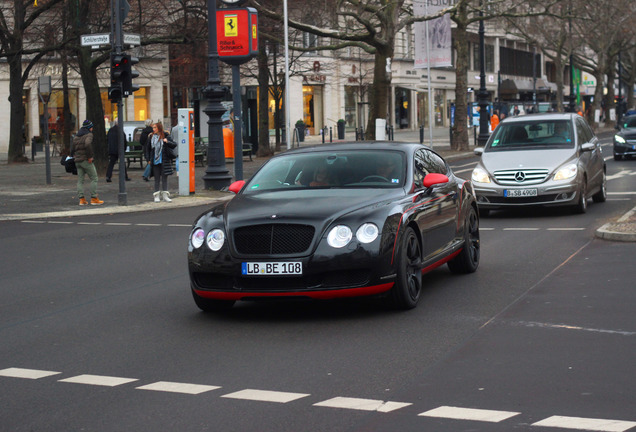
98, 380
26, 373
362, 404
176, 387
469, 414
589, 424
265, 395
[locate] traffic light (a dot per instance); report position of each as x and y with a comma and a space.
117, 68
127, 82
114, 93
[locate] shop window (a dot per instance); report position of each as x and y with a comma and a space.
142, 104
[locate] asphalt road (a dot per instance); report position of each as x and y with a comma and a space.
99, 333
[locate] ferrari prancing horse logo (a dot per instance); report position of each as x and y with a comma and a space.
231, 26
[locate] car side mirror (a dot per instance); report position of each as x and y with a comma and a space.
479, 151
237, 186
588, 147
433, 179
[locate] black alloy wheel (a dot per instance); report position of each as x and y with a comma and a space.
467, 260
408, 285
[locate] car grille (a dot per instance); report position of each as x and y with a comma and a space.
523, 200
273, 239
521, 176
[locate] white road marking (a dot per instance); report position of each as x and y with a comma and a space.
89, 223
33, 221
61, 222
265, 395
98, 380
175, 387
521, 229
621, 193
26, 373
566, 229
486, 229
362, 404
621, 174
180, 225
570, 327
149, 224
118, 223
469, 414
590, 424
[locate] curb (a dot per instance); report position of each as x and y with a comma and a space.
624, 229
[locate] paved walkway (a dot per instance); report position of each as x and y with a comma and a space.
24, 193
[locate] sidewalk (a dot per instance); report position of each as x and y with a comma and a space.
24, 193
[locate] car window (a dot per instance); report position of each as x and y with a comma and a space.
320, 170
629, 122
584, 134
532, 135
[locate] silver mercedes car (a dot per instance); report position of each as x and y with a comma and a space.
551, 159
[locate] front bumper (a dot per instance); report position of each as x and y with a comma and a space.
494, 196
625, 149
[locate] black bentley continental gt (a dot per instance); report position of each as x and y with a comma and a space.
330, 221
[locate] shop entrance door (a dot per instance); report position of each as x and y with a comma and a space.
312, 108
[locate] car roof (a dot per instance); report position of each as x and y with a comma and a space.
540, 117
407, 147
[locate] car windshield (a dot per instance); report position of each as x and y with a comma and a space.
328, 170
532, 134
629, 122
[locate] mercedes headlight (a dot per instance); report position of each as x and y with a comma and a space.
480, 175
566, 172
619, 139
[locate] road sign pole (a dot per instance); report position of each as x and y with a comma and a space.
122, 197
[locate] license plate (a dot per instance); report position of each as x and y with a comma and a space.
516, 193
272, 268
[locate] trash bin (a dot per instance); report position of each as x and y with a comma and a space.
228, 143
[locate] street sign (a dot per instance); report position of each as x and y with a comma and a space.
104, 39
132, 39
95, 39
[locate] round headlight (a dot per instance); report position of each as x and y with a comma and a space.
566, 172
480, 176
339, 236
367, 233
215, 239
198, 236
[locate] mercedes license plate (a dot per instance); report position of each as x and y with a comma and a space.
272, 268
520, 193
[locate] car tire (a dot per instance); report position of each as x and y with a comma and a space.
581, 205
601, 195
212, 305
408, 285
468, 259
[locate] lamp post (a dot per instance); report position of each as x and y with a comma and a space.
482, 95
216, 174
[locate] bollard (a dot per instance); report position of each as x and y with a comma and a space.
421, 134
330, 134
322, 134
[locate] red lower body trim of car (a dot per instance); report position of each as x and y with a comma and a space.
441, 262
322, 295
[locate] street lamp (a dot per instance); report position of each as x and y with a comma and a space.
572, 107
482, 95
216, 174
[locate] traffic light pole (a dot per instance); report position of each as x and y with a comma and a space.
120, 12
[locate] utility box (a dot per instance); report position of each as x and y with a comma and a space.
185, 142
380, 129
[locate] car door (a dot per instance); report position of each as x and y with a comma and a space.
594, 159
436, 206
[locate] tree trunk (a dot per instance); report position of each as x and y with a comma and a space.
460, 130
379, 93
263, 119
16, 135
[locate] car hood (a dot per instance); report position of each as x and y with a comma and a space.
628, 133
538, 159
313, 207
